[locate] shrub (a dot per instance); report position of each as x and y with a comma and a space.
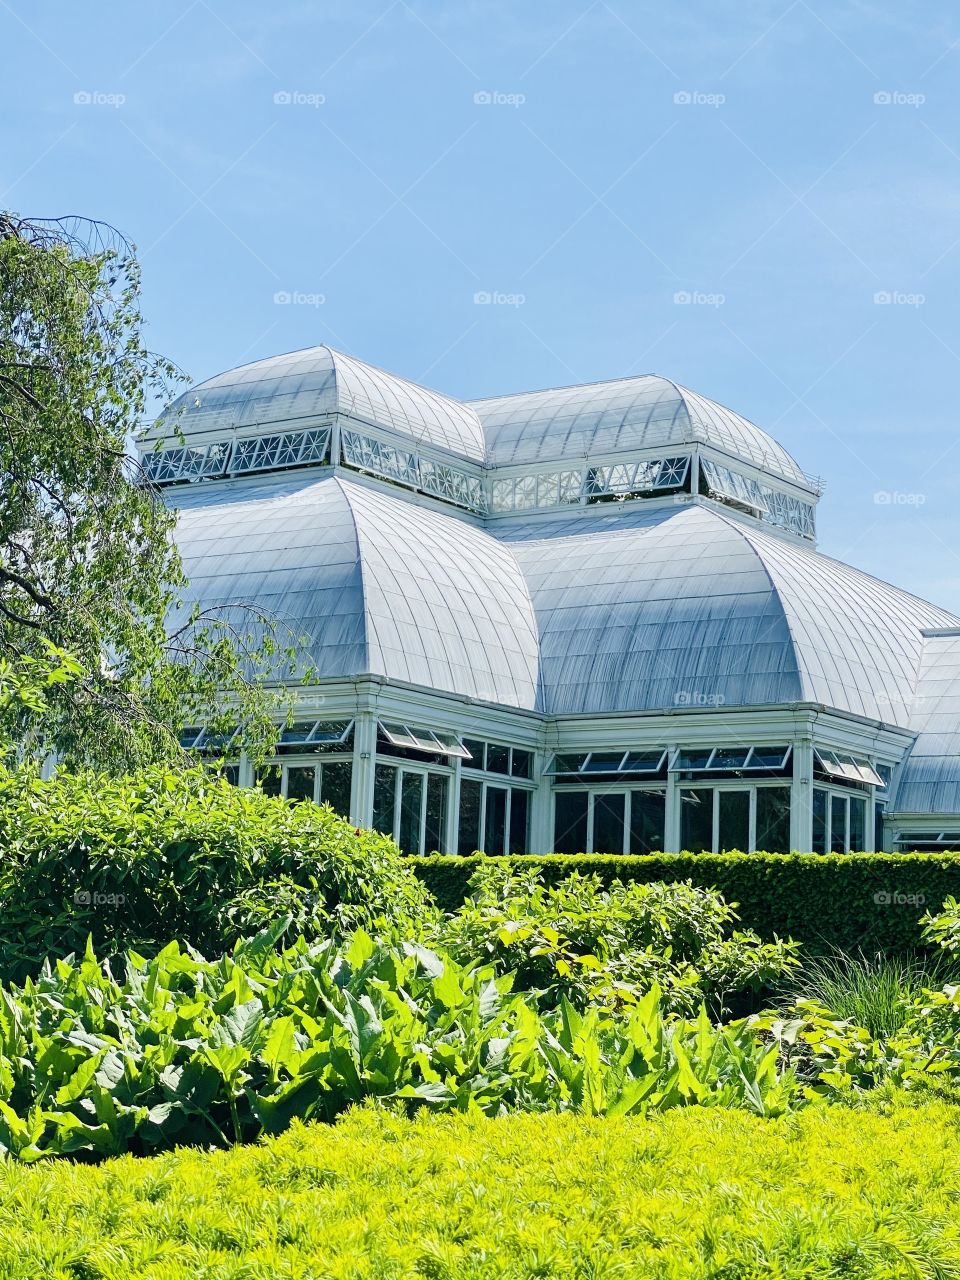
857, 901
828, 1193
186, 1051
138, 860
608, 945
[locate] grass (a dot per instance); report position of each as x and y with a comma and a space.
830, 1192
875, 992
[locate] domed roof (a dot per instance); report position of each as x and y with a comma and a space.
624, 414
929, 781
373, 584
660, 608
317, 380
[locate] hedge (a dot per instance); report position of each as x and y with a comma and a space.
858, 901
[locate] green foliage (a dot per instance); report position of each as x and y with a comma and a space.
87, 562
609, 945
855, 902
181, 1050
874, 992
692, 1194
161, 854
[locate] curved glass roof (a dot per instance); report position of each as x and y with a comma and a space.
624, 414
663, 608
318, 380
930, 778
373, 584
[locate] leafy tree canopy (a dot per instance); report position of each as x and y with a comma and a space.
87, 561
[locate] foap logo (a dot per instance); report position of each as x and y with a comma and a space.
495, 298
496, 98
894, 898
894, 498
84, 898
897, 298
897, 98
97, 98
298, 98
695, 98
294, 298
698, 698
687, 298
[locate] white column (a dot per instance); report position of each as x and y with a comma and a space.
364, 754
671, 835
541, 816
801, 797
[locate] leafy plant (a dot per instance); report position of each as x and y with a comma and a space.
180, 1049
609, 944
164, 853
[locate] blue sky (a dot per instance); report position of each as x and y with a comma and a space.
791, 169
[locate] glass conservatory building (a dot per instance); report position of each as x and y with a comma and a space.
589, 618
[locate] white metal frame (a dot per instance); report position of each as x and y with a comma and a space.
624, 788
867, 797
751, 786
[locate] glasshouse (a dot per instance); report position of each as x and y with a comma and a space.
587, 618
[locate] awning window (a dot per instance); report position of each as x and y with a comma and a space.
838, 764
413, 738
648, 761
732, 759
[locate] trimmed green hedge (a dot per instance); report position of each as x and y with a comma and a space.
867, 901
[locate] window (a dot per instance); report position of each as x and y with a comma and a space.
411, 738
494, 817
410, 804
732, 759
493, 757
838, 764
609, 821
723, 819
649, 761
326, 782
315, 736
839, 821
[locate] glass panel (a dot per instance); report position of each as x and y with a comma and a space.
450, 744
301, 781
231, 774
190, 737
647, 821
298, 732
384, 795
397, 734
878, 812
643, 761
519, 807
476, 752
819, 820
696, 820
838, 824
468, 840
435, 836
858, 823
269, 779
729, 758
498, 759
331, 731
773, 820
495, 821
411, 803
694, 759
608, 821
568, 763
769, 757
734, 820
521, 763
603, 762
335, 786
570, 823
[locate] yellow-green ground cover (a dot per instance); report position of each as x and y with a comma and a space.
827, 1192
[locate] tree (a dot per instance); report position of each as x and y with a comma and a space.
87, 559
